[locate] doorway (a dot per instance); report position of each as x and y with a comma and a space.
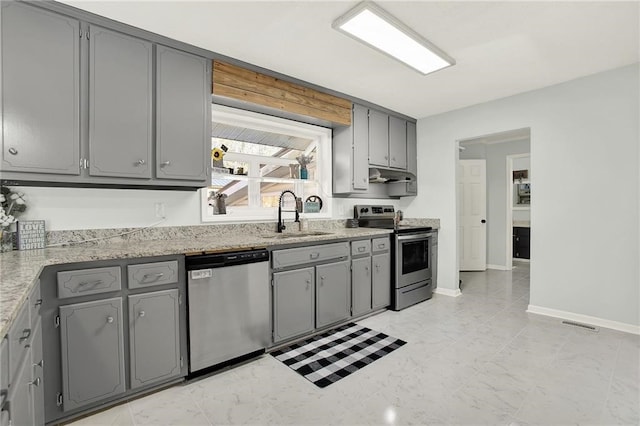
500, 213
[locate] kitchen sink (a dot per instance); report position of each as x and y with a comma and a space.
296, 235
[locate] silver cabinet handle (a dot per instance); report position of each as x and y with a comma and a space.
165, 163
36, 382
26, 333
381, 246
361, 249
314, 255
37, 302
39, 364
90, 284
140, 162
366, 268
141, 314
377, 268
110, 320
308, 281
13, 151
155, 276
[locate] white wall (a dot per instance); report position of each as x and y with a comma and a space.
584, 146
79, 208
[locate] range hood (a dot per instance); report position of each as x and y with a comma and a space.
380, 175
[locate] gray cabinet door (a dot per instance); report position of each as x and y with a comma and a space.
37, 365
40, 105
412, 148
360, 286
397, 143
182, 115
20, 399
381, 280
120, 96
360, 124
92, 348
154, 325
333, 293
378, 138
293, 301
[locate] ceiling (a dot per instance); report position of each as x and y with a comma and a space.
501, 48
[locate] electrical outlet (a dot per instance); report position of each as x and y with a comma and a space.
160, 210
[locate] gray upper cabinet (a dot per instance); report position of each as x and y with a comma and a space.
120, 102
351, 153
154, 337
333, 293
381, 280
412, 148
40, 105
397, 143
293, 302
92, 346
378, 138
182, 115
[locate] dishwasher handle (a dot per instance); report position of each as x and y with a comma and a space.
220, 260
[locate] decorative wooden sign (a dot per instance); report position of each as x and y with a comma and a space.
30, 235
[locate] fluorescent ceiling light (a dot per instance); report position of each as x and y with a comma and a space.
372, 25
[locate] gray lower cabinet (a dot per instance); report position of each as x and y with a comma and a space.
381, 280
22, 392
361, 286
40, 105
293, 303
20, 400
183, 108
154, 325
92, 351
120, 97
333, 293
37, 376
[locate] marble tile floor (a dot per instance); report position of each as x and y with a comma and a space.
475, 359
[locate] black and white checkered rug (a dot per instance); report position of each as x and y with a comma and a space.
331, 356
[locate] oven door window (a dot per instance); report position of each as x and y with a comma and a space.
415, 256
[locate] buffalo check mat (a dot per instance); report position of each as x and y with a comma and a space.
331, 356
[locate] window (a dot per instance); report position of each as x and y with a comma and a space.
260, 163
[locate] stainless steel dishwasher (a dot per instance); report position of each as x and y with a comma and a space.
228, 306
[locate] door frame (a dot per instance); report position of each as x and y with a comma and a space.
509, 213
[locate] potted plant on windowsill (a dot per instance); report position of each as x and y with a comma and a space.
12, 204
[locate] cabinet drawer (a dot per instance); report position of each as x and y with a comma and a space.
19, 338
381, 244
88, 281
150, 274
302, 255
35, 301
360, 247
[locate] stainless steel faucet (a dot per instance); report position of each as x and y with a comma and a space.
281, 226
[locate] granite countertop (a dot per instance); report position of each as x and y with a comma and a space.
19, 270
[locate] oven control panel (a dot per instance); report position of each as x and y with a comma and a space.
366, 211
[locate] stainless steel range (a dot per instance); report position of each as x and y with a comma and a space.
414, 251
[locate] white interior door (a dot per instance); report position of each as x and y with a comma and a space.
472, 204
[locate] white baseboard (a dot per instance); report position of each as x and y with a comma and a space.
498, 267
448, 292
517, 259
585, 319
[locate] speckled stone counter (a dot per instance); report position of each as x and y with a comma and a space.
19, 270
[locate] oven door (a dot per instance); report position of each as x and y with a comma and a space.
413, 258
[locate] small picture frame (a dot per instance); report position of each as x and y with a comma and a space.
520, 174
30, 234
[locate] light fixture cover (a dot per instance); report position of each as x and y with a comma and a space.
372, 25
